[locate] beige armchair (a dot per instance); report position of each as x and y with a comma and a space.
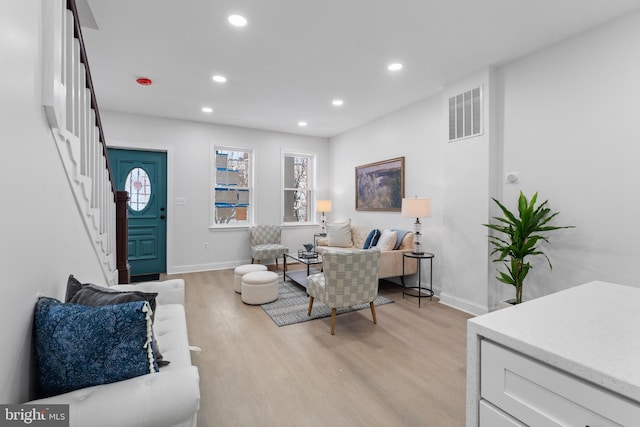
348, 279
265, 243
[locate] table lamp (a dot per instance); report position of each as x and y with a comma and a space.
416, 208
323, 206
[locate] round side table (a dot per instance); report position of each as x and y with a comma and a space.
419, 291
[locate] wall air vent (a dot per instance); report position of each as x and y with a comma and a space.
465, 115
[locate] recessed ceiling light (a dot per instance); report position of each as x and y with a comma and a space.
302, 124
207, 110
237, 20
395, 66
337, 102
218, 78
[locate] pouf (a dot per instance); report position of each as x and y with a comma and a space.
241, 271
259, 287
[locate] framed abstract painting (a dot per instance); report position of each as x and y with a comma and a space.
380, 186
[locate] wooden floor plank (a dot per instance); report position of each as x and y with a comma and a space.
408, 370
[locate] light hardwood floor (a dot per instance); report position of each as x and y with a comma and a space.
408, 370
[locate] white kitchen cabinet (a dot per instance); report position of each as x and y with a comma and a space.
567, 359
539, 395
494, 417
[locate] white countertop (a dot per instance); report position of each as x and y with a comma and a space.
591, 331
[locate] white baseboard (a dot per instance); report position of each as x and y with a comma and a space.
462, 304
195, 268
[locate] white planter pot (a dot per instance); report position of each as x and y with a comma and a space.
506, 303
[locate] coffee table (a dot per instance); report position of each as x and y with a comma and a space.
299, 277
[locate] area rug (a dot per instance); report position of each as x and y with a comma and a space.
293, 302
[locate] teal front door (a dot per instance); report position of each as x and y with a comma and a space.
143, 174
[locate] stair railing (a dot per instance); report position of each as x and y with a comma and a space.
71, 109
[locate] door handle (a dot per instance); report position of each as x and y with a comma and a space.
161, 216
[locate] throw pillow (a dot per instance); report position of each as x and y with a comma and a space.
339, 234
79, 346
387, 240
95, 295
73, 286
372, 239
401, 234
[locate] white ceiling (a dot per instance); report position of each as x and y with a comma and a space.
295, 56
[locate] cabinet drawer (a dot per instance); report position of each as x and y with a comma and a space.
491, 416
540, 395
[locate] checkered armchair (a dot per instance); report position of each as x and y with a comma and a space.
348, 279
265, 243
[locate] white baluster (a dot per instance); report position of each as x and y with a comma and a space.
78, 89
95, 148
69, 69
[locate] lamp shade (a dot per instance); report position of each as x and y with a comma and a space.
416, 208
323, 206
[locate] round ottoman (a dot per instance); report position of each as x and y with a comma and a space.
241, 271
259, 287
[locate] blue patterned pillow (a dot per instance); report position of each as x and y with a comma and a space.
96, 295
372, 239
79, 346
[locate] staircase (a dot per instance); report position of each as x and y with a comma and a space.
72, 112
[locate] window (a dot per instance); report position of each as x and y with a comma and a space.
298, 178
232, 192
465, 114
138, 185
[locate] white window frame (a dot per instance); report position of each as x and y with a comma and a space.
213, 184
313, 160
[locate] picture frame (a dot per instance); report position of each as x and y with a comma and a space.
380, 186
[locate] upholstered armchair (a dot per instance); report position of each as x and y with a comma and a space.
348, 279
265, 243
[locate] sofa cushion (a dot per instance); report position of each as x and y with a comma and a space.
359, 235
339, 234
95, 295
372, 239
171, 329
79, 346
387, 240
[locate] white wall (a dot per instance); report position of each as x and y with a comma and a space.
414, 132
570, 127
456, 177
188, 146
565, 119
43, 238
469, 173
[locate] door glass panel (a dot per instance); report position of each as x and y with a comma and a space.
139, 188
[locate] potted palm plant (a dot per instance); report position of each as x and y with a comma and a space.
519, 235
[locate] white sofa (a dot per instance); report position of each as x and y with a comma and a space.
167, 398
390, 261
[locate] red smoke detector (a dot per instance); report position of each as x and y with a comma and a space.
144, 81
